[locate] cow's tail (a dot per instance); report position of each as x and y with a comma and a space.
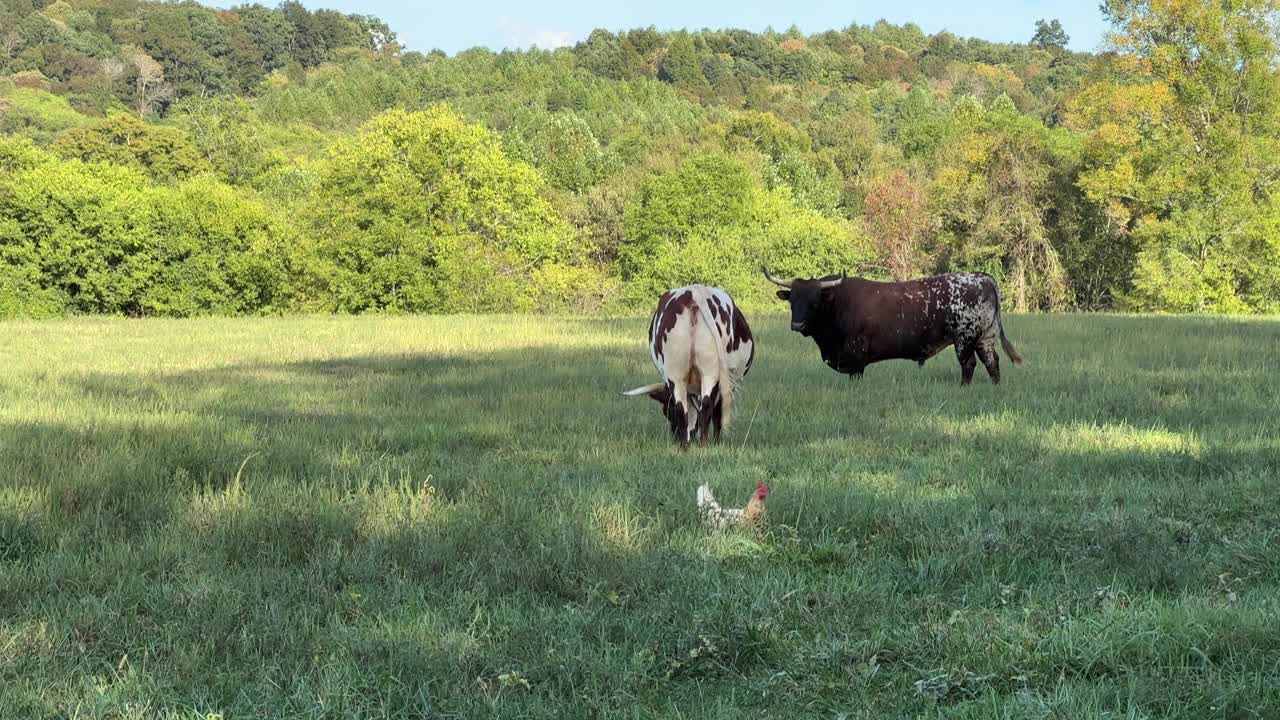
644, 390
722, 358
1009, 349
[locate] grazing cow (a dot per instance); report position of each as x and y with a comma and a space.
857, 322
702, 346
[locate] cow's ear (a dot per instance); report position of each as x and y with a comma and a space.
784, 295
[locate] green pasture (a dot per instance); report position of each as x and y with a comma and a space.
431, 517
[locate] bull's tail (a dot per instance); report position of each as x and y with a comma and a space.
1004, 340
725, 380
1009, 349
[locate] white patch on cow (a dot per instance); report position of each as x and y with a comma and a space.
740, 357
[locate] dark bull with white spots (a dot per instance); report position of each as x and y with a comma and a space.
858, 322
702, 346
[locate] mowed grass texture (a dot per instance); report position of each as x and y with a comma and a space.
461, 518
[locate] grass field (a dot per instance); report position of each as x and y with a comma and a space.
460, 518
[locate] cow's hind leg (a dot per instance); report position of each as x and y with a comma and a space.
717, 419
990, 360
713, 410
966, 352
707, 410
679, 414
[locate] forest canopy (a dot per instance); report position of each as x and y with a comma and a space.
167, 158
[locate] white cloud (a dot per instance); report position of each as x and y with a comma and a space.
517, 34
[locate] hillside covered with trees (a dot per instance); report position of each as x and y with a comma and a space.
161, 158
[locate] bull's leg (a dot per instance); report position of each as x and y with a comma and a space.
990, 360
966, 352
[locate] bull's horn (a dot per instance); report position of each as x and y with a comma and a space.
828, 284
776, 280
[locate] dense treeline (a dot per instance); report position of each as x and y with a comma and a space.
172, 159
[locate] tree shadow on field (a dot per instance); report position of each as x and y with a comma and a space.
548, 421
554, 414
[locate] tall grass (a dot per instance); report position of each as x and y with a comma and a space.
460, 517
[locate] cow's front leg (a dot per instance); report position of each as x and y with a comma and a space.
853, 361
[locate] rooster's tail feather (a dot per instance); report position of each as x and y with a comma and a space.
706, 501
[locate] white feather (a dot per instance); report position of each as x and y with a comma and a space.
713, 514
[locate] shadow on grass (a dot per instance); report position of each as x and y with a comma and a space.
545, 427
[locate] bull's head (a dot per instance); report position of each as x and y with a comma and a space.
808, 298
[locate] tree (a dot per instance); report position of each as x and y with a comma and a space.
1183, 151
150, 88
897, 218
96, 238
218, 253
709, 220
424, 212
1050, 35
272, 34
230, 137
378, 35
563, 147
682, 66
10, 44
993, 192
190, 45
164, 153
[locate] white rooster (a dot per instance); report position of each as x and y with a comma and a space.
718, 517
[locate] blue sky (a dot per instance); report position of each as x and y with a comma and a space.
459, 24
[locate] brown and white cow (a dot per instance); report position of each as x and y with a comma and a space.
857, 322
701, 344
